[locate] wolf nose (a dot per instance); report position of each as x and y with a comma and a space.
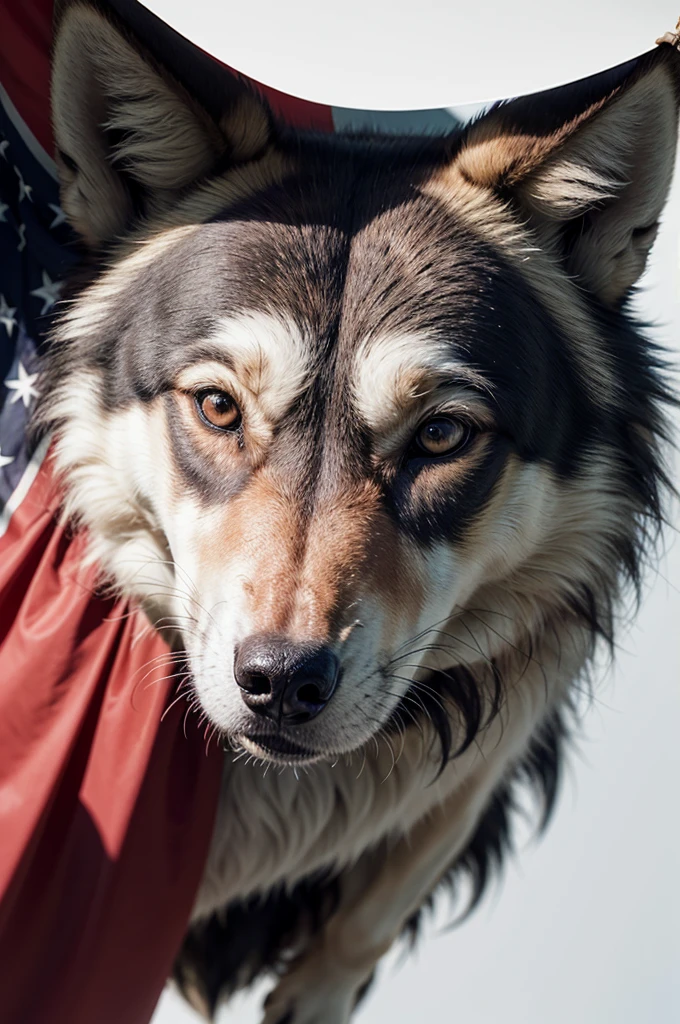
283, 680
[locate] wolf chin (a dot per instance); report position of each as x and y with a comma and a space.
367, 427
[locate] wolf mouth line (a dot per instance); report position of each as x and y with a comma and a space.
278, 748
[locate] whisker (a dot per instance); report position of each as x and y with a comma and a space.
178, 698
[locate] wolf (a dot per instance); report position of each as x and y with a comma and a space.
366, 425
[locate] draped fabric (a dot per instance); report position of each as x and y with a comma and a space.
106, 806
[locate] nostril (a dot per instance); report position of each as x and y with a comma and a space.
256, 668
256, 683
310, 693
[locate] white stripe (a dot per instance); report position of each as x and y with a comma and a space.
23, 486
43, 158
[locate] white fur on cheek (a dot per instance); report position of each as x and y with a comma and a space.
115, 468
210, 604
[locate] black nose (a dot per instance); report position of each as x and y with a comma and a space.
283, 680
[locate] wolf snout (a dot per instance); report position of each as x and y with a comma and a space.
285, 681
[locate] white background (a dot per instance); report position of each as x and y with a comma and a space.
585, 927
406, 54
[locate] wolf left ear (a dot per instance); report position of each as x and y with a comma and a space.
589, 165
129, 138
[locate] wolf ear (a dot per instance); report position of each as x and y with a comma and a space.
129, 138
589, 165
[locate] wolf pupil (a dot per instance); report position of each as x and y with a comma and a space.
219, 409
441, 436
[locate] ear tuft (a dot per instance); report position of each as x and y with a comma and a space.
247, 127
165, 141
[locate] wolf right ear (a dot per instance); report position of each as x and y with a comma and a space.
587, 165
129, 138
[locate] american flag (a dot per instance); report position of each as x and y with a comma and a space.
36, 252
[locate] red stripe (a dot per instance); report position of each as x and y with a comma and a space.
294, 111
25, 40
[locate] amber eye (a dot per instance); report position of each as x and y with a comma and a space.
218, 409
442, 436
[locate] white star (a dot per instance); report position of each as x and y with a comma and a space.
22, 238
49, 292
5, 460
3, 207
24, 189
59, 215
23, 387
7, 315
3, 147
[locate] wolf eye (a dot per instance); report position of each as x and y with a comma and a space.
442, 436
218, 409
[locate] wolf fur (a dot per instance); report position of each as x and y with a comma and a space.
342, 290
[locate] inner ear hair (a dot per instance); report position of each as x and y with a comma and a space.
127, 134
588, 165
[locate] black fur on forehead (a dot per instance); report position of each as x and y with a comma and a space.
351, 251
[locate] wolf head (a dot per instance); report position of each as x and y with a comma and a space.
364, 418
